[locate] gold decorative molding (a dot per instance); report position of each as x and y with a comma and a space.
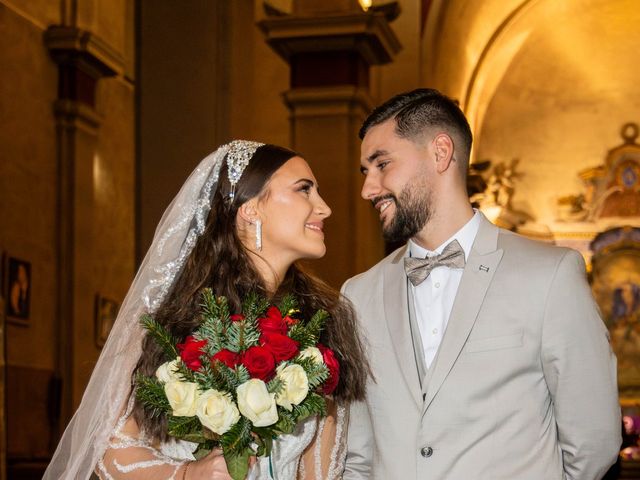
611, 190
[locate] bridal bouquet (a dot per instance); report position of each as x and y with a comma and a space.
240, 380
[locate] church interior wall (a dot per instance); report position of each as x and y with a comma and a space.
27, 182
561, 103
551, 94
29, 228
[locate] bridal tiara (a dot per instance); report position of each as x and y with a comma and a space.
183, 229
238, 156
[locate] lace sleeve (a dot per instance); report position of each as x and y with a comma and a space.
130, 455
324, 458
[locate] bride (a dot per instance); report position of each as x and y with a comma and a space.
243, 218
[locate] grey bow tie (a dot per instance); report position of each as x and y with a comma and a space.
418, 269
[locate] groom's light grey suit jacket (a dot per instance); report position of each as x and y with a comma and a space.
523, 385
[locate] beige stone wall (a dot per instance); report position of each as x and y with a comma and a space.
29, 195
28, 175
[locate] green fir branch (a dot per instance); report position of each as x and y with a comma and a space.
288, 305
307, 334
215, 319
276, 385
314, 404
242, 335
316, 372
206, 378
242, 375
209, 304
222, 378
185, 428
286, 422
238, 438
254, 305
161, 335
316, 324
150, 393
186, 373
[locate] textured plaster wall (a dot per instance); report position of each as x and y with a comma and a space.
29, 176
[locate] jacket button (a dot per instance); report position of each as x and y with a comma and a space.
426, 452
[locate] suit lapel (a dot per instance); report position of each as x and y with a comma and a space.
481, 265
396, 310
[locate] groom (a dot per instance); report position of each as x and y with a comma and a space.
489, 355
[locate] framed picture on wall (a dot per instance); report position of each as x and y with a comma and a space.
17, 290
106, 313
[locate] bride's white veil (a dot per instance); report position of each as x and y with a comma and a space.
86, 437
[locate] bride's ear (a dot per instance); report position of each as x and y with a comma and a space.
248, 212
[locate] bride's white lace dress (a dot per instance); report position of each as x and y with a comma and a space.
315, 450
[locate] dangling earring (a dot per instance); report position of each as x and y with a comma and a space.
259, 235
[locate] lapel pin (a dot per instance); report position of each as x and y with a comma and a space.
484, 268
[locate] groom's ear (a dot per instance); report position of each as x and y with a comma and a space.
443, 147
248, 211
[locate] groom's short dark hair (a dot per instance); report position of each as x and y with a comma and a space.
420, 109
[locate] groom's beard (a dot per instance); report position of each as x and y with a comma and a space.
413, 211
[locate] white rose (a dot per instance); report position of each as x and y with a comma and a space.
296, 386
217, 411
168, 372
256, 403
312, 352
183, 397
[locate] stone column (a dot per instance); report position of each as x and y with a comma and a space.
82, 60
330, 47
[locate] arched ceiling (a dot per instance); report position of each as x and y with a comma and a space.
545, 81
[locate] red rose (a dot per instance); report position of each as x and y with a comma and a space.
289, 321
281, 346
332, 364
237, 317
273, 322
229, 358
260, 363
191, 351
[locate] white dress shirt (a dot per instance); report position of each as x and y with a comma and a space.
433, 298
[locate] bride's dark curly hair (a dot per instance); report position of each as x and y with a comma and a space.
220, 261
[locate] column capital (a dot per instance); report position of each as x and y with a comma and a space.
83, 58
367, 33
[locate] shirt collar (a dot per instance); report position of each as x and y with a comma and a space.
465, 237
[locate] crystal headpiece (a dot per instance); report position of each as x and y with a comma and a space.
240, 152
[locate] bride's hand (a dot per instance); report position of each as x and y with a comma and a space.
211, 467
